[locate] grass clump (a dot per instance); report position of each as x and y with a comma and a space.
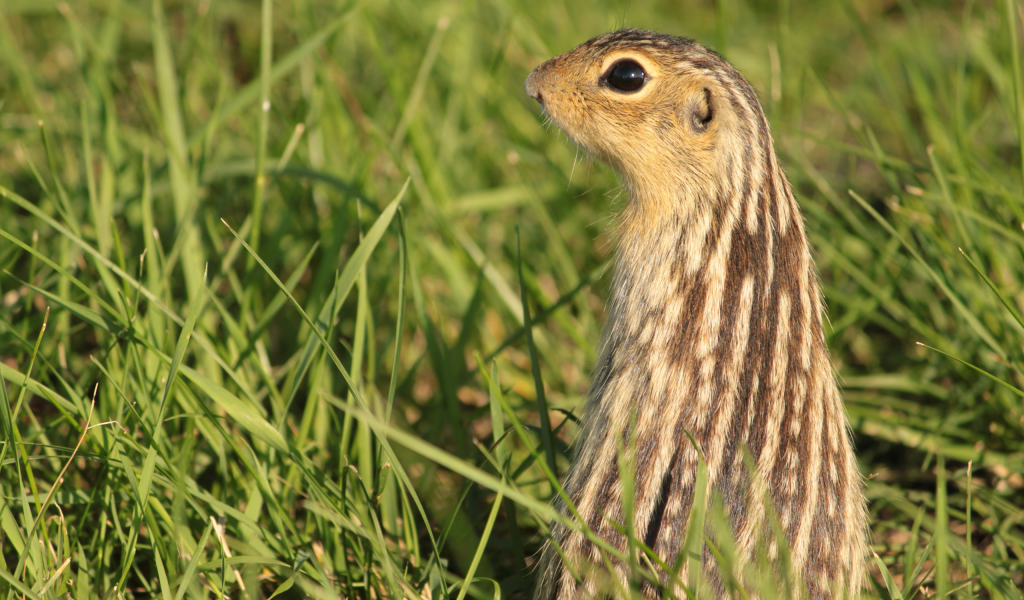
262, 300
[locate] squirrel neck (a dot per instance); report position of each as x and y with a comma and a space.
714, 326
717, 270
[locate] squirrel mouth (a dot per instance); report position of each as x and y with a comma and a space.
533, 85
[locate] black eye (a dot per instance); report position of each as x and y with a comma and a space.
626, 76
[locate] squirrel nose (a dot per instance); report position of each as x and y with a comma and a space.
532, 89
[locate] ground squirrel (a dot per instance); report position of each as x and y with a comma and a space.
714, 331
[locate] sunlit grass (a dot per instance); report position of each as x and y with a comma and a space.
265, 270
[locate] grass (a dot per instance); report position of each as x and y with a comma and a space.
265, 270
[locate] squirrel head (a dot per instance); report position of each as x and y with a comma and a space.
670, 116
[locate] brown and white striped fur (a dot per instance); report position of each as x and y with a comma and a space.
714, 329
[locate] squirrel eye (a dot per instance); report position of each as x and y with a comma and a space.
626, 76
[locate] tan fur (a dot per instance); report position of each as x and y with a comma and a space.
714, 330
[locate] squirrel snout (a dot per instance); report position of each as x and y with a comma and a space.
533, 87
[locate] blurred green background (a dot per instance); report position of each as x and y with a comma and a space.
173, 426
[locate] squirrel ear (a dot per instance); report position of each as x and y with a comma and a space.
701, 112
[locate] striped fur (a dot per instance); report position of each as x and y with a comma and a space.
714, 329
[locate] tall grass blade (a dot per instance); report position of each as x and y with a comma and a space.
179, 354
538, 381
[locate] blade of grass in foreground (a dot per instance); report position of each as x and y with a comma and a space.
141, 488
941, 531
190, 570
403, 252
542, 404
484, 537
503, 453
1009, 307
179, 353
890, 583
1005, 384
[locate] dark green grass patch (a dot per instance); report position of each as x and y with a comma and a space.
265, 270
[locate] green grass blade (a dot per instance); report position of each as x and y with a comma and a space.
190, 570
266, 60
975, 325
367, 246
890, 583
288, 63
179, 354
542, 405
484, 537
63, 272
941, 531
416, 95
482, 478
1008, 386
992, 286
165, 586
243, 413
17, 585
403, 252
